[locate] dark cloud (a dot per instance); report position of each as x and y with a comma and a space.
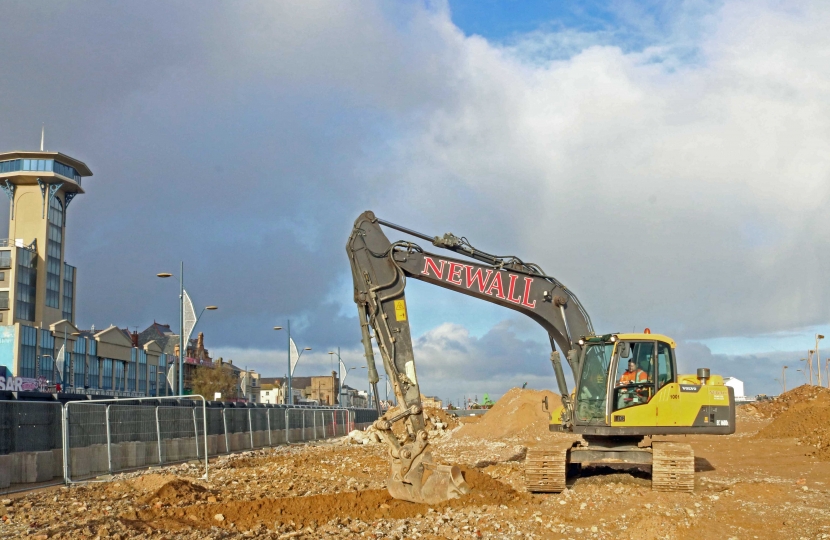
245, 138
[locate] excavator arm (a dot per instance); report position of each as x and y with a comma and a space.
380, 269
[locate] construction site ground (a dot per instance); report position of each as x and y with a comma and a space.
765, 481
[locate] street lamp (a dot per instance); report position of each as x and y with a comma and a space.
802, 372
181, 322
818, 358
784, 377
807, 367
288, 399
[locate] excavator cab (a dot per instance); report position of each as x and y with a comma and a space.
620, 371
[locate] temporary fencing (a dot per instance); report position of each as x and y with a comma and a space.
44, 441
109, 436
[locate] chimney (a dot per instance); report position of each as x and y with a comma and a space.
134, 337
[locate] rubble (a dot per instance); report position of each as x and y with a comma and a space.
746, 487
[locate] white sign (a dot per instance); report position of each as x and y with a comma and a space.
294, 355
189, 320
217, 396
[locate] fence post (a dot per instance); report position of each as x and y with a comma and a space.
287, 418
65, 437
196, 432
158, 433
268, 421
314, 421
225, 427
250, 429
109, 442
205, 427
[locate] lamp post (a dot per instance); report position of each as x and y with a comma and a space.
802, 372
807, 370
818, 358
784, 377
181, 322
288, 396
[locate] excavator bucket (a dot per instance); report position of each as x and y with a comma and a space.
424, 481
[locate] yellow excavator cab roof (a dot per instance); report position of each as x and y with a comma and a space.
653, 337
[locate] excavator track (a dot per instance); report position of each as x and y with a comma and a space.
546, 469
672, 467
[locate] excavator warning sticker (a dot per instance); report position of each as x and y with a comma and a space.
400, 310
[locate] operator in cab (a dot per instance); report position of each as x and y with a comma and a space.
632, 375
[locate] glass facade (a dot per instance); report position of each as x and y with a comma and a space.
28, 351
106, 383
5, 258
93, 372
119, 374
54, 243
47, 354
79, 357
153, 381
68, 292
46, 165
142, 371
4, 299
26, 282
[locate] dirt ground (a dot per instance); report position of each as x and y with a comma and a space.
769, 480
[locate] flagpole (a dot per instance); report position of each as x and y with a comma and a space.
288, 396
181, 330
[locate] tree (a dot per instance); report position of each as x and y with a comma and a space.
207, 381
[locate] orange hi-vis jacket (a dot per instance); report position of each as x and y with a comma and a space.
633, 377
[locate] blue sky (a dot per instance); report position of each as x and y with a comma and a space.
668, 161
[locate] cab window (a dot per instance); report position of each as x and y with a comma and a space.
665, 370
634, 382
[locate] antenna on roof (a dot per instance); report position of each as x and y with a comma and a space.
42, 134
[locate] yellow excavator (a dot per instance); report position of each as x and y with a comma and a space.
627, 388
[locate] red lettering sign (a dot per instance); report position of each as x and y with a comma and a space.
478, 280
455, 273
430, 264
497, 285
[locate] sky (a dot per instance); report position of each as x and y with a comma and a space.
667, 161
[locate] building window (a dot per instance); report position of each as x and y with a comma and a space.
4, 299
46, 165
93, 371
79, 359
28, 351
153, 380
68, 291
47, 354
54, 243
142, 371
6, 258
107, 382
131, 376
119, 375
26, 284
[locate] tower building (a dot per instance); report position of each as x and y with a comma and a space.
37, 286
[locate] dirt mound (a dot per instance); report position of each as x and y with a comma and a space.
175, 491
519, 413
802, 394
366, 505
432, 417
804, 414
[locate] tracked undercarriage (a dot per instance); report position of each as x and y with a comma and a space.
672, 464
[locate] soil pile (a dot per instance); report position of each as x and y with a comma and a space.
176, 490
313, 510
802, 394
519, 413
804, 414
